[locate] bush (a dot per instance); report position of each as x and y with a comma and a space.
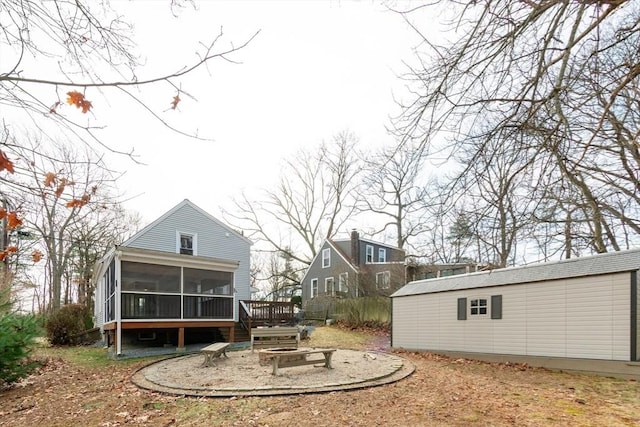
67, 325
17, 334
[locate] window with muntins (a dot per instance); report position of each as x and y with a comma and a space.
383, 280
329, 286
382, 255
478, 307
326, 258
369, 254
314, 288
342, 282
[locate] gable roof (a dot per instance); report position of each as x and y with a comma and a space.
373, 242
185, 202
613, 262
339, 251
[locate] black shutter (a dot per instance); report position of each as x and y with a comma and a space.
462, 309
496, 306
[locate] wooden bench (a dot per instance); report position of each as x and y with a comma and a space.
214, 351
289, 359
277, 336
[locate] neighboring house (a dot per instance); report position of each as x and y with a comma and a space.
420, 271
182, 276
571, 314
354, 267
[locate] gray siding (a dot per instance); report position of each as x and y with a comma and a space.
316, 271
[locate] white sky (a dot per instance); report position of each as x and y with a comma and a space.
315, 69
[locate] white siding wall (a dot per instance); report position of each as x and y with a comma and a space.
580, 318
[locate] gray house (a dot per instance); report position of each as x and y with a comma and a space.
572, 314
182, 275
354, 267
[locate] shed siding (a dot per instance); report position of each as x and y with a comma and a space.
585, 317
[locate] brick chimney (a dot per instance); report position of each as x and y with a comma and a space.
355, 247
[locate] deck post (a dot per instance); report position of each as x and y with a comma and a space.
180, 338
232, 333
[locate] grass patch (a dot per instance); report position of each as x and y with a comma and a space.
333, 336
88, 357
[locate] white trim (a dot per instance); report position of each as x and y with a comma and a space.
118, 307
176, 260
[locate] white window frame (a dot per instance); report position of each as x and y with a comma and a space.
326, 256
343, 280
382, 255
385, 278
479, 306
194, 241
368, 259
314, 287
326, 286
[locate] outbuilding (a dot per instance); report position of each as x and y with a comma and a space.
578, 314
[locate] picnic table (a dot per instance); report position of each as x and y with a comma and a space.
289, 359
277, 336
214, 351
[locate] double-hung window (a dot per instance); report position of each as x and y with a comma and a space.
326, 258
343, 278
382, 255
383, 280
369, 254
314, 288
329, 288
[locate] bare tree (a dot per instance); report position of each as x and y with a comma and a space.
312, 201
559, 78
56, 197
92, 48
392, 189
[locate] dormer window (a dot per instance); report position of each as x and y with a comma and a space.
382, 255
369, 256
186, 244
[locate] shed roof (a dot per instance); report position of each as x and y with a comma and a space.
613, 262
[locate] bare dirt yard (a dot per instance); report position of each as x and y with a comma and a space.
81, 386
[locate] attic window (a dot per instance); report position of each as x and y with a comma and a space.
187, 244
326, 258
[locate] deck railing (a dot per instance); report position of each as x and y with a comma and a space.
265, 313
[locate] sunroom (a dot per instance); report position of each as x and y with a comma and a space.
147, 290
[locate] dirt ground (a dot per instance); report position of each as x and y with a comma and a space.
441, 392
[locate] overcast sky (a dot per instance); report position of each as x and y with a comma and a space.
315, 68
